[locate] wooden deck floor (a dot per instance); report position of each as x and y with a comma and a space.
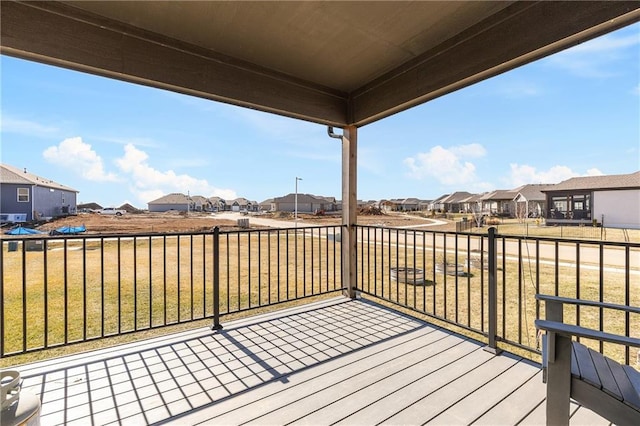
332, 362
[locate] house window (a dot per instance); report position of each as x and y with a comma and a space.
23, 195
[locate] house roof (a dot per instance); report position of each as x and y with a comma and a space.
174, 198
304, 198
335, 63
241, 201
199, 199
532, 192
440, 199
410, 201
626, 181
474, 198
500, 194
10, 174
456, 197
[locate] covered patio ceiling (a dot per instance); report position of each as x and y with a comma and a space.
335, 63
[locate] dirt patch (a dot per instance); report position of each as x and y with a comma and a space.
200, 222
141, 223
383, 219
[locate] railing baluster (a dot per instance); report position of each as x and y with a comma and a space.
216, 279
66, 292
2, 296
191, 274
45, 281
493, 292
150, 283
84, 289
135, 283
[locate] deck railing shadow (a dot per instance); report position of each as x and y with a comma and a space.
157, 381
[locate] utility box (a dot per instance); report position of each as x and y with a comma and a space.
34, 245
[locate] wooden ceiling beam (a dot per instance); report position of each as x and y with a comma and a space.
60, 35
517, 35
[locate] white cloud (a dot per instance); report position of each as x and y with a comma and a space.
523, 174
78, 157
149, 184
518, 90
25, 127
597, 57
147, 142
636, 90
446, 165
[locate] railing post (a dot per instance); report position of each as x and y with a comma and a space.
493, 293
216, 280
2, 304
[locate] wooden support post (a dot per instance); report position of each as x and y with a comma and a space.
558, 369
558, 379
349, 210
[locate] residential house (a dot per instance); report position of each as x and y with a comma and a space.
455, 203
423, 205
437, 204
25, 196
530, 201
499, 203
613, 201
217, 204
175, 201
472, 204
267, 205
200, 203
242, 204
307, 203
409, 205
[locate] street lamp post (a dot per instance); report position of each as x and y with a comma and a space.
295, 203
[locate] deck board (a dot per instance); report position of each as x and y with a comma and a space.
335, 361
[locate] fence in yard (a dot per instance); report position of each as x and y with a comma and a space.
486, 284
62, 290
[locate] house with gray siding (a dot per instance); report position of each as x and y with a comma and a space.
175, 201
33, 197
499, 203
307, 203
610, 200
530, 201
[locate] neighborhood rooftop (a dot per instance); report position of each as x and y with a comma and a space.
631, 180
14, 175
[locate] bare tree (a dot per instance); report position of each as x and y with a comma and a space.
477, 214
521, 212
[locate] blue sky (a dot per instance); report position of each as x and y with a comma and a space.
575, 113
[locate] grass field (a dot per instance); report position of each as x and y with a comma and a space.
117, 286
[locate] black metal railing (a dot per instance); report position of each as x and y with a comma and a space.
486, 284
61, 290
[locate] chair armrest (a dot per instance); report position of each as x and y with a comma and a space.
581, 302
576, 330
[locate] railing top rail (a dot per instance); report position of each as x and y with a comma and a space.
152, 234
572, 241
583, 302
